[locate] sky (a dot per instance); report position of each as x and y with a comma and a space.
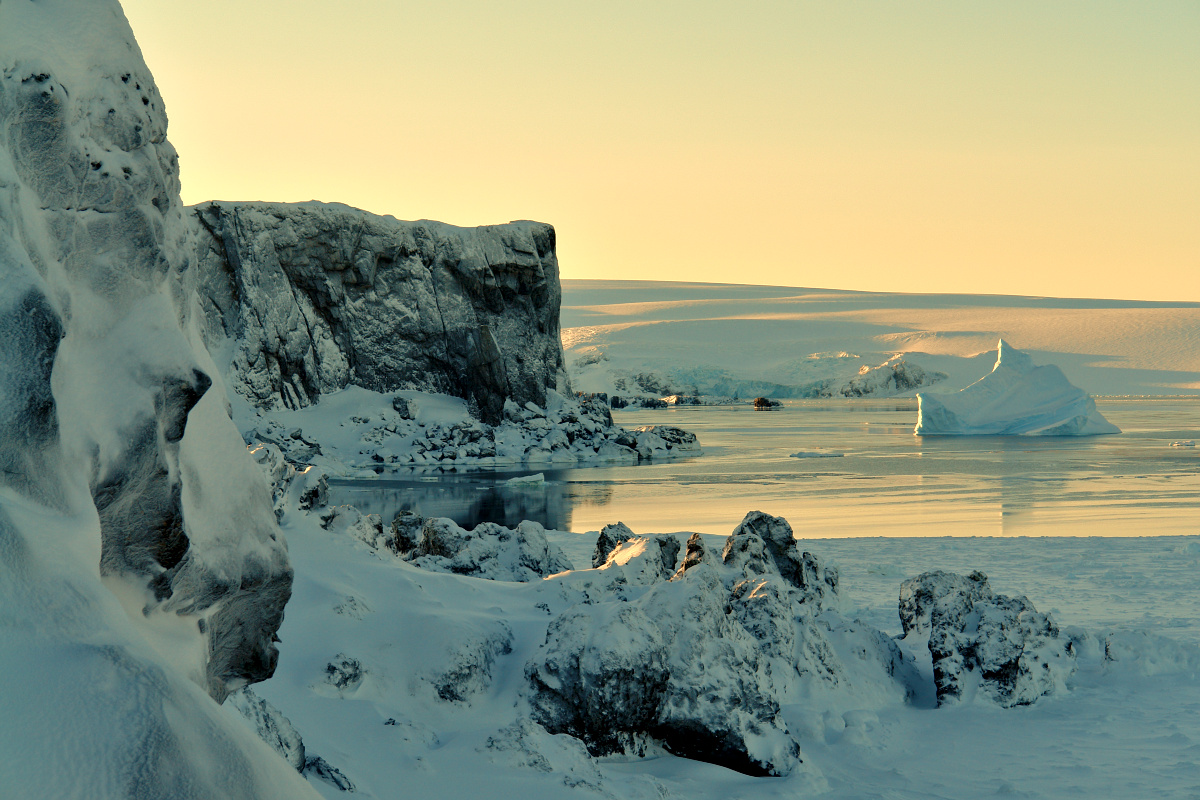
1038, 148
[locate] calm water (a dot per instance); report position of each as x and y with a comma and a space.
887, 482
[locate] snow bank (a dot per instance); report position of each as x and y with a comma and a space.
1016, 398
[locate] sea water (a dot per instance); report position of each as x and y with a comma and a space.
846, 468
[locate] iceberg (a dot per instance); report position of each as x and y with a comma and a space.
1015, 399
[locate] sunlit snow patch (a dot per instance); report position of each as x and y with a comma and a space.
1015, 398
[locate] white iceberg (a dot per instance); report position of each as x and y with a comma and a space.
1015, 398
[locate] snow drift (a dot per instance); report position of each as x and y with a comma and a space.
1016, 398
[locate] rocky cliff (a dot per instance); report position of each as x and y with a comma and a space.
317, 297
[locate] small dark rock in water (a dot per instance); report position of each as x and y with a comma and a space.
762, 403
616, 401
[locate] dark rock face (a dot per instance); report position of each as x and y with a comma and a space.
322, 296
1014, 652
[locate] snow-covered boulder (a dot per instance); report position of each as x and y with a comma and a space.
981, 641
762, 543
708, 656
318, 296
468, 669
642, 559
487, 551
601, 677
1015, 398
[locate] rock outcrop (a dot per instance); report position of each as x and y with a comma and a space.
321, 296
1000, 644
120, 462
698, 658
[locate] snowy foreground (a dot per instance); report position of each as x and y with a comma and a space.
653, 338
408, 679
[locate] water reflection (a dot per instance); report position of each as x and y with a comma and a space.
885, 482
472, 498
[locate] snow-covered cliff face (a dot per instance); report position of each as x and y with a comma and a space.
319, 296
121, 467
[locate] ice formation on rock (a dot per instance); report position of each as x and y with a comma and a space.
320, 296
1016, 398
120, 463
976, 638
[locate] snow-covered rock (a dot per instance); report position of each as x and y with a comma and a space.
642, 560
763, 544
981, 641
140, 549
700, 663
488, 551
319, 296
271, 726
354, 431
1015, 398
469, 667
896, 376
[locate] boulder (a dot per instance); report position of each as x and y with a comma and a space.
1002, 645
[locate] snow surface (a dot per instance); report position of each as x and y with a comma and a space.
1015, 399
659, 338
1125, 727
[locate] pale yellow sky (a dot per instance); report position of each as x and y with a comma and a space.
1019, 147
